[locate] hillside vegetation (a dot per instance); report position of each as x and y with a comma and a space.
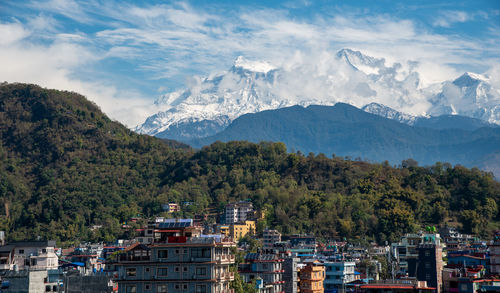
65, 167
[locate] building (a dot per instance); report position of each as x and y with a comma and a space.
428, 266
396, 286
32, 281
290, 274
406, 249
179, 260
265, 267
171, 207
238, 212
338, 274
270, 237
312, 277
494, 250
238, 231
29, 255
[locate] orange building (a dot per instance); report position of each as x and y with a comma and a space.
312, 277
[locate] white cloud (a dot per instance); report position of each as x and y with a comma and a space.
173, 41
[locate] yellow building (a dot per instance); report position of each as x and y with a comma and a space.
224, 229
238, 231
312, 277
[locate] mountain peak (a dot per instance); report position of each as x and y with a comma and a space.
469, 79
361, 62
254, 66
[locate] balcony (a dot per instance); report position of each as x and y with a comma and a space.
224, 258
227, 276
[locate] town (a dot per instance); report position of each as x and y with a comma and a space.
171, 254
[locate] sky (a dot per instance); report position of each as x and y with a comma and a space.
124, 54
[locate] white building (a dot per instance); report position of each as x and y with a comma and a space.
29, 255
270, 237
337, 274
238, 212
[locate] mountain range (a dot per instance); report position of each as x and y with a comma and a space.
348, 131
395, 91
69, 173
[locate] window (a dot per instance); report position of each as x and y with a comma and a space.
162, 272
147, 287
427, 276
163, 253
131, 289
427, 253
21, 251
131, 272
44, 250
201, 271
184, 269
177, 269
184, 251
47, 288
427, 265
177, 286
147, 270
177, 251
161, 288
184, 286
201, 288
200, 252
264, 266
54, 288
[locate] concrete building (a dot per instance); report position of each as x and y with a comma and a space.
27, 281
270, 237
494, 250
396, 286
338, 274
238, 212
29, 255
179, 260
312, 277
428, 266
290, 274
406, 249
267, 268
238, 231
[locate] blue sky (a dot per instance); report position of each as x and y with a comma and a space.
123, 55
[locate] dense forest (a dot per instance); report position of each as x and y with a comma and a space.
68, 172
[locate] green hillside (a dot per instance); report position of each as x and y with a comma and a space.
64, 167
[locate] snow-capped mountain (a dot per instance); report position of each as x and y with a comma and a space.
209, 105
384, 111
469, 95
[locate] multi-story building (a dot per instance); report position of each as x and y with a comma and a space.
238, 231
290, 274
428, 266
338, 274
406, 249
270, 237
238, 212
29, 255
494, 250
267, 267
312, 277
179, 260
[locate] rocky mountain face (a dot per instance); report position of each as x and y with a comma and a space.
207, 106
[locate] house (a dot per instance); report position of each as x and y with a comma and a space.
267, 268
312, 277
29, 255
179, 260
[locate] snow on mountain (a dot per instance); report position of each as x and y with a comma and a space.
207, 106
384, 111
469, 95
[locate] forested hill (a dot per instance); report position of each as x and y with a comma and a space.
65, 167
